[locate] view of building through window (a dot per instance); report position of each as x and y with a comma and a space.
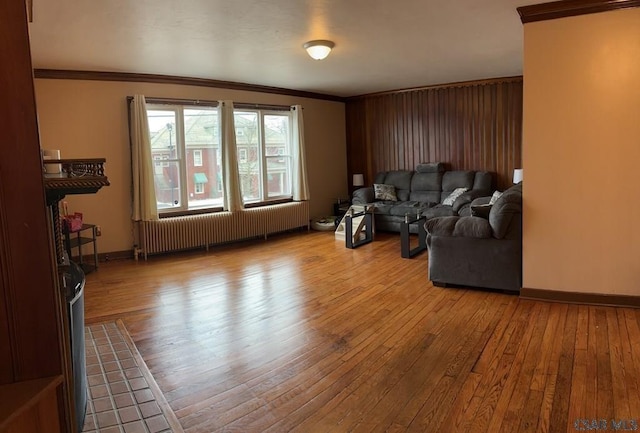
185, 146
187, 157
263, 140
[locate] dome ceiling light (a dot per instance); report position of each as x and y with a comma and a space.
319, 49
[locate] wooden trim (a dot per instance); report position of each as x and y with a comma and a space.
19, 397
153, 385
580, 298
488, 81
59, 74
176, 101
570, 8
111, 256
29, 5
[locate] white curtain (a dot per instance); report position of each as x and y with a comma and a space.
300, 184
232, 193
144, 190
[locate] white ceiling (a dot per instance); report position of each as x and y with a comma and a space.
380, 44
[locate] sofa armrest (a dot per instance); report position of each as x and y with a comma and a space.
363, 195
481, 201
468, 198
470, 227
465, 198
441, 226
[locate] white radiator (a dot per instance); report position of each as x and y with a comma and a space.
197, 231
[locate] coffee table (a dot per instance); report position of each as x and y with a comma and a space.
405, 238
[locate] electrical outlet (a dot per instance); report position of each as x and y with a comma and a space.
98, 231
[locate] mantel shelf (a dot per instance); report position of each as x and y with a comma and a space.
77, 176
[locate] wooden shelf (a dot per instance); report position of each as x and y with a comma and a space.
76, 240
19, 398
77, 176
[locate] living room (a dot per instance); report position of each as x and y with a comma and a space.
579, 109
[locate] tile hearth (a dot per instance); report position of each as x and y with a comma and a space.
123, 397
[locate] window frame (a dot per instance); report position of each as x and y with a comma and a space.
181, 161
264, 198
178, 107
197, 162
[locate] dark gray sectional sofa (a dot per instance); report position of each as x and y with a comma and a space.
479, 251
422, 192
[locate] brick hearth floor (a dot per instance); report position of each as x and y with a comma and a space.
123, 397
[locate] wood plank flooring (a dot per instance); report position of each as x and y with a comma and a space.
298, 333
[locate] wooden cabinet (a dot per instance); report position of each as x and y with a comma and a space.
34, 369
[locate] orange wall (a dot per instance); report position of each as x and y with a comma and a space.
581, 153
88, 119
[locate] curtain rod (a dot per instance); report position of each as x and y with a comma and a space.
176, 101
241, 105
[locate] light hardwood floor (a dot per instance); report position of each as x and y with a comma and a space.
298, 333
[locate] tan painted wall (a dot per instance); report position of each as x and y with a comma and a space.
88, 119
581, 153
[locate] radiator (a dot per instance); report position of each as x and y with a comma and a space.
201, 231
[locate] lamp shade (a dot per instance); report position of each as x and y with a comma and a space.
358, 179
319, 49
517, 175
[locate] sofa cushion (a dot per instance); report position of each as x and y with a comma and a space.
380, 177
441, 226
482, 182
456, 179
428, 198
407, 207
481, 210
384, 192
503, 210
439, 210
426, 187
451, 198
383, 207
401, 179
363, 195
495, 196
426, 182
472, 227
430, 167
480, 201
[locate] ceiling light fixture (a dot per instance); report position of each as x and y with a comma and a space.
319, 49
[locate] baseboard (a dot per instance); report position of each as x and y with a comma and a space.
115, 255
580, 298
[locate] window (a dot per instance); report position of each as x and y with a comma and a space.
176, 131
242, 155
197, 158
187, 155
263, 139
157, 164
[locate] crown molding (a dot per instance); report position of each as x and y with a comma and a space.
569, 8
60, 74
483, 82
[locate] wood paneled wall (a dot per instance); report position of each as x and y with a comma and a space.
468, 126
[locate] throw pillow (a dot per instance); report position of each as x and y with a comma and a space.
496, 195
453, 196
384, 192
481, 210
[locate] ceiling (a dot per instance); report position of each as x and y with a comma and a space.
381, 45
